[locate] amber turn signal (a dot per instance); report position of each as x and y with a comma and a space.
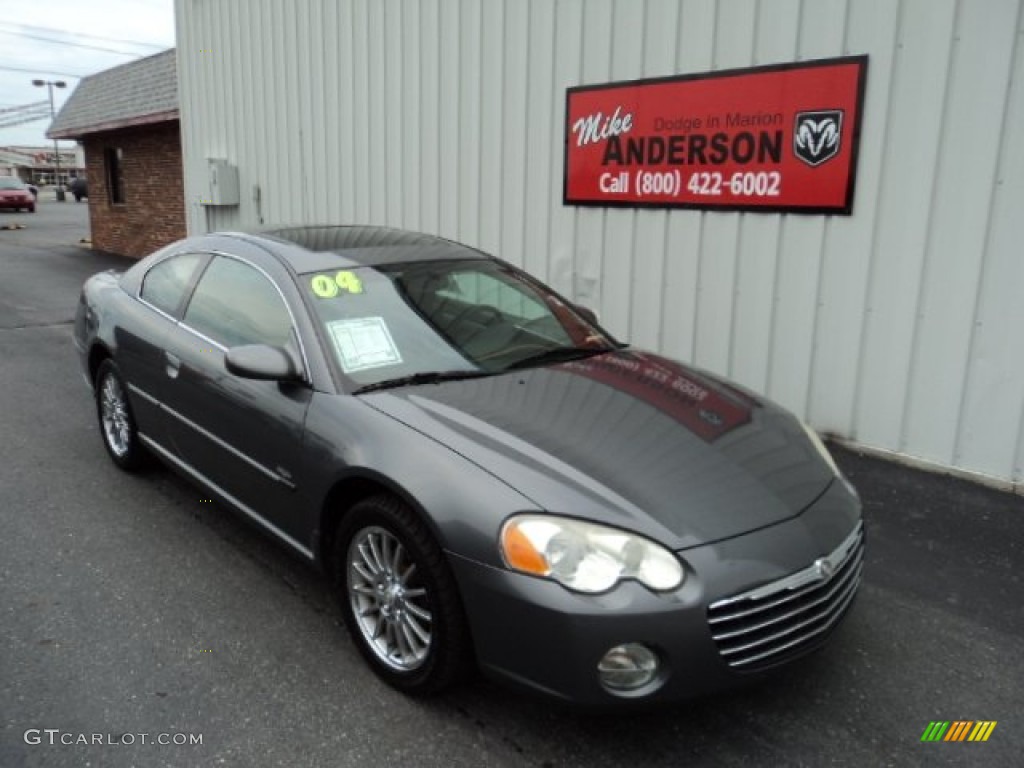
521, 554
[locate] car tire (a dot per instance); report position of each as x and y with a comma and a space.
32, 209
116, 421
398, 597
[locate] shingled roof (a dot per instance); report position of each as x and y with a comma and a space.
137, 93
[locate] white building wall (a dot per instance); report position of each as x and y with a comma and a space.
900, 327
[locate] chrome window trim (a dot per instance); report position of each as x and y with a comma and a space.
280, 293
275, 476
201, 478
155, 308
306, 371
185, 327
154, 265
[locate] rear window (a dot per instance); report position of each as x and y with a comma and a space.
165, 284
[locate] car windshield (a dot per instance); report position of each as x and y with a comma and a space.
426, 321
9, 182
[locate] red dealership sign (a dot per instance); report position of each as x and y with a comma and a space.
776, 138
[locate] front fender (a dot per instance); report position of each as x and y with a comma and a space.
463, 505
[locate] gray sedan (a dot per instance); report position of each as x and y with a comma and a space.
487, 476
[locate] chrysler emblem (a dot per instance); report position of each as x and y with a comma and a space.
823, 568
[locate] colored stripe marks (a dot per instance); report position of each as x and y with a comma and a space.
958, 730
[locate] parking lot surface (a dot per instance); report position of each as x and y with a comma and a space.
130, 606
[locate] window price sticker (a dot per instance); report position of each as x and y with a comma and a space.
363, 343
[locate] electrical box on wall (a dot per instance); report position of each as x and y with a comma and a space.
222, 182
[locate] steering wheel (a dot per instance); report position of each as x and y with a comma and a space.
482, 314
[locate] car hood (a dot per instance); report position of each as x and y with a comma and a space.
628, 438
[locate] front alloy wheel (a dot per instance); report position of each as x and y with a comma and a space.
399, 598
388, 601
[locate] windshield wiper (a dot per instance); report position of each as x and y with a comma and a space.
426, 377
558, 355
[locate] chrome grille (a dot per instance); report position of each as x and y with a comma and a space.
769, 624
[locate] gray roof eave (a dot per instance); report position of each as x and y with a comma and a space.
79, 132
135, 93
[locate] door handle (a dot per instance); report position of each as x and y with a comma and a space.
173, 365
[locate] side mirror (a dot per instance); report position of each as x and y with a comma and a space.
262, 362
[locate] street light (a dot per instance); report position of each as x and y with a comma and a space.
56, 150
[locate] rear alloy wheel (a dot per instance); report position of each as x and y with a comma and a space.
398, 597
117, 424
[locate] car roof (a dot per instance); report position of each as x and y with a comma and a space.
316, 248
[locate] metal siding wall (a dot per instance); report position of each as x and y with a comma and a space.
898, 327
821, 32
541, 154
990, 437
905, 193
849, 253
979, 71
566, 40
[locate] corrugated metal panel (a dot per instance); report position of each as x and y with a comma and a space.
906, 192
990, 434
850, 252
899, 327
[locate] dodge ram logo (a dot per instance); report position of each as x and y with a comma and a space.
817, 136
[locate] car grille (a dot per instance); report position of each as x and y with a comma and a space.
777, 621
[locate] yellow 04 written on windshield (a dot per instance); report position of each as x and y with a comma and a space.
329, 285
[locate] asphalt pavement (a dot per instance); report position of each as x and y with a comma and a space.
130, 606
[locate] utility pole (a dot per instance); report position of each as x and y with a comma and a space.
53, 114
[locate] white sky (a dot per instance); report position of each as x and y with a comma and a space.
139, 21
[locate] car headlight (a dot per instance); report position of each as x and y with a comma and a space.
822, 450
586, 557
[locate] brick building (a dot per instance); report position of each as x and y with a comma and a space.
127, 120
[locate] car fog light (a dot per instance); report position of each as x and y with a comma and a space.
628, 667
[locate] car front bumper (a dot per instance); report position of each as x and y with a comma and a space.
536, 634
13, 204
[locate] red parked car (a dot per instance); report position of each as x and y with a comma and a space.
16, 195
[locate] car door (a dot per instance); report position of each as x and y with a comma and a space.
141, 339
241, 435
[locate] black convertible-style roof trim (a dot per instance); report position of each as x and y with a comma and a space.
312, 248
